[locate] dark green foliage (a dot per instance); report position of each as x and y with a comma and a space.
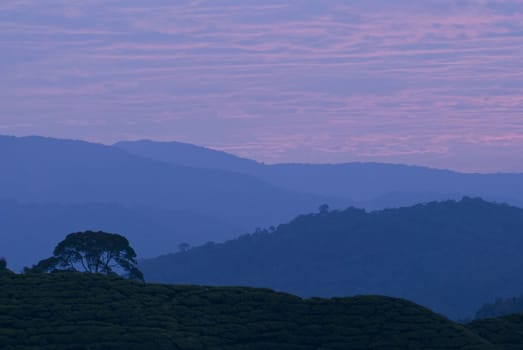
45, 265
93, 252
448, 256
506, 332
71, 310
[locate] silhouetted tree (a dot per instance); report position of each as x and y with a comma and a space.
183, 247
94, 252
324, 208
45, 265
3, 264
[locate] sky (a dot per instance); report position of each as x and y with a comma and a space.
429, 82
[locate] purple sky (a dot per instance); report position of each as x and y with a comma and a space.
432, 82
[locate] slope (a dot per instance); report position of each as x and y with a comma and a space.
189, 155
506, 332
43, 170
75, 311
50, 170
449, 256
370, 185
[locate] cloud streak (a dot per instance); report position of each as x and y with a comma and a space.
430, 82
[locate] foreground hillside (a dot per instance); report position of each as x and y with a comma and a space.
450, 256
506, 332
79, 311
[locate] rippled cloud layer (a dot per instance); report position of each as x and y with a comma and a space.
434, 82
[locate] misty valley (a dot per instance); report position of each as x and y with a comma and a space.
165, 245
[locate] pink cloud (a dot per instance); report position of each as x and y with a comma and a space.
278, 82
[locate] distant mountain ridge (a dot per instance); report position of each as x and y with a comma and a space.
224, 194
369, 185
189, 155
62, 174
449, 256
40, 169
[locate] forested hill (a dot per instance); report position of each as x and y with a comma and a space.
449, 256
67, 310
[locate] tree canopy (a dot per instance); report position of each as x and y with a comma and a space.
93, 252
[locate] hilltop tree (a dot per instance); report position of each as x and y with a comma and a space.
183, 247
45, 265
3, 264
324, 209
93, 252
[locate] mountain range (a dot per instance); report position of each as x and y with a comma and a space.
60, 176
161, 194
367, 185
